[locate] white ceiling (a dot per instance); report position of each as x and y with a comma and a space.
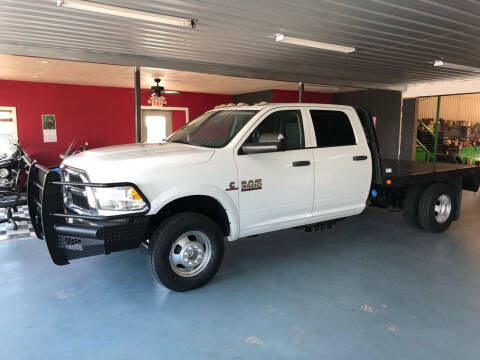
24, 68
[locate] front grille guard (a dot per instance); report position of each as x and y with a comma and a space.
49, 216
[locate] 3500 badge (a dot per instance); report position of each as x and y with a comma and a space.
249, 185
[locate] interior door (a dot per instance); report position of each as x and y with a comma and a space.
343, 168
276, 187
156, 125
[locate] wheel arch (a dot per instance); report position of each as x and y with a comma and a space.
209, 201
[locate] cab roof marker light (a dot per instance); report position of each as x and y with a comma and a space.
446, 65
126, 12
313, 44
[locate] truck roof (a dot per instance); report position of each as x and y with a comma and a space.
265, 105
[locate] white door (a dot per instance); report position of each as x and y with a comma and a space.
343, 168
156, 125
276, 187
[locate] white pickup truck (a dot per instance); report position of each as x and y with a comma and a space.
233, 172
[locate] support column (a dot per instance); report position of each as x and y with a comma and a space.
138, 106
301, 89
435, 130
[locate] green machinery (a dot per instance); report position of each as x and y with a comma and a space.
424, 155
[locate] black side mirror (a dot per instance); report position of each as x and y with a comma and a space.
268, 142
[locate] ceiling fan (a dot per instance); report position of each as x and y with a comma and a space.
160, 90
157, 97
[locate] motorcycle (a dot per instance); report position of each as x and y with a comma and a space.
14, 170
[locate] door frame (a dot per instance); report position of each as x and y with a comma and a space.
169, 108
13, 109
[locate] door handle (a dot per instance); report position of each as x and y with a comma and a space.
301, 163
360, 157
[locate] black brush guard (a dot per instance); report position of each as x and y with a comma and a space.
71, 236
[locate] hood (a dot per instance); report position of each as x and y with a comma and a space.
103, 164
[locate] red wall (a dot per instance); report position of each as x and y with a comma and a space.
197, 104
100, 115
282, 96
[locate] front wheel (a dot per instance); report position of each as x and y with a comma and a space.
436, 207
186, 251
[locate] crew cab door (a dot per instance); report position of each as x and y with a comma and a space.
343, 168
275, 187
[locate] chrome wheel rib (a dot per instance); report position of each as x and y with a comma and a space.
190, 253
442, 208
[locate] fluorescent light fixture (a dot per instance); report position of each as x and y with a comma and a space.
313, 44
440, 63
126, 12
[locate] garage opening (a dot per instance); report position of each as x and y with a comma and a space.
448, 128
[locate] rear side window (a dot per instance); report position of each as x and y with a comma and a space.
332, 128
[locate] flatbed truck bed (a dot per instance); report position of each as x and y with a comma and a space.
408, 172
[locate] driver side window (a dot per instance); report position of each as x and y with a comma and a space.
285, 122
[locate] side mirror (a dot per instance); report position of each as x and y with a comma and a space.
268, 142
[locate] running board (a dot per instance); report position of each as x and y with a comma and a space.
320, 226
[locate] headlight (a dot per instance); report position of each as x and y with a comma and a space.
119, 198
4, 173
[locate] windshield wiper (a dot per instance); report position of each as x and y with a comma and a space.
181, 141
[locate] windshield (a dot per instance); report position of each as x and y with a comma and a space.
213, 129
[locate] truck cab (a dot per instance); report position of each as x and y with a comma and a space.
233, 172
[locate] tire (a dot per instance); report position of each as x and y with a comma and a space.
186, 251
436, 207
410, 205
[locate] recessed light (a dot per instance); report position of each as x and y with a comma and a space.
35, 76
313, 44
43, 61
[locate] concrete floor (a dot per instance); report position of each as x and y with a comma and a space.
371, 288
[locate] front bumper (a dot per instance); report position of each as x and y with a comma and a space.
71, 236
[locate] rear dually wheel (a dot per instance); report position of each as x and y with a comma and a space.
436, 207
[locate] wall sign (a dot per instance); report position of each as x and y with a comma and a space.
49, 128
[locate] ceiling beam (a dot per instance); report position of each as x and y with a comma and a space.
208, 68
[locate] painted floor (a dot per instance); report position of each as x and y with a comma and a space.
370, 288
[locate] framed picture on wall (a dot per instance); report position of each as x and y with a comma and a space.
49, 128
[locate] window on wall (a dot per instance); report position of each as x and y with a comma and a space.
332, 128
8, 131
